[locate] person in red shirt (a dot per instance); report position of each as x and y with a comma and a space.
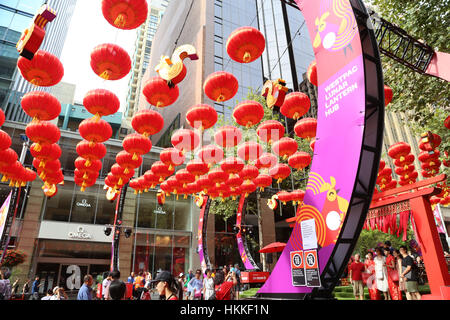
224, 286
166, 285
354, 270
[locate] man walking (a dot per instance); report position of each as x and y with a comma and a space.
410, 275
355, 270
35, 289
105, 286
85, 292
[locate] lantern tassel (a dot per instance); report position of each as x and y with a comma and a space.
120, 20
126, 171
296, 116
105, 74
120, 182
36, 81
4, 179
42, 164
96, 117
247, 57
159, 104
135, 156
87, 163
221, 98
85, 176
37, 147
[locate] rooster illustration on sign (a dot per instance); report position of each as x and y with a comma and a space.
274, 92
335, 27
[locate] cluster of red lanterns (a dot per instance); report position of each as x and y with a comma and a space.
384, 178
403, 161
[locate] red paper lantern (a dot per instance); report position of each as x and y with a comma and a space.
172, 157
184, 177
174, 185
446, 122
2, 117
90, 151
285, 147
383, 180
5, 140
266, 161
41, 105
280, 172
381, 166
119, 172
409, 159
296, 105
101, 102
221, 86
193, 188
159, 94
312, 145
297, 196
232, 166
110, 62
228, 136
42, 133
136, 185
312, 73
201, 116
44, 70
197, 167
404, 170
47, 152
95, 131
210, 154
284, 197
425, 156
306, 128
247, 188
218, 176
161, 170
127, 161
205, 183
388, 95
409, 176
137, 145
185, 140
299, 160
235, 192
399, 150
124, 14
245, 44
80, 164
248, 113
263, 181
151, 178
249, 173
7, 157
249, 151
270, 131
147, 122
234, 182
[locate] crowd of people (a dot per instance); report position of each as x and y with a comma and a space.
386, 274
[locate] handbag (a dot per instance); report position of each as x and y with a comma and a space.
393, 274
365, 276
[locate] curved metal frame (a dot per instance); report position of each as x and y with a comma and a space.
245, 255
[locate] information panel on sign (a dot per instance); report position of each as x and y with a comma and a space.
312, 271
298, 268
309, 235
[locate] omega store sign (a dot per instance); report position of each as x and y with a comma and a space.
73, 231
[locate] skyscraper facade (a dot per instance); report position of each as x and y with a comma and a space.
15, 17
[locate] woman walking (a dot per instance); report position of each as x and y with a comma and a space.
393, 278
208, 286
371, 283
381, 273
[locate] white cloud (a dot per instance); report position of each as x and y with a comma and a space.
88, 29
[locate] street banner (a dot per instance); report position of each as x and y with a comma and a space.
4, 214
298, 268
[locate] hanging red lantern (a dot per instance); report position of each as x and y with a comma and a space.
86, 174
7, 157
184, 177
10, 172
405, 170
185, 140
136, 186
270, 131
159, 94
95, 166
391, 185
166, 188
426, 156
50, 190
429, 141
312, 145
248, 113
201, 116
174, 185
44, 70
296, 105
399, 150
388, 95
218, 176
90, 151
197, 167
297, 196
247, 188
84, 184
249, 173
228, 136
235, 192
110, 61
280, 172
172, 157
221, 86
147, 122
284, 197
306, 128
41, 105
232, 166
433, 169
446, 122
383, 180
161, 170
124, 14
2, 117
249, 151
127, 161
299, 160
245, 44
137, 145
151, 178
119, 172
263, 181
312, 73
54, 178
285, 147
266, 161
235, 182
5, 140
205, 183
224, 191
47, 152
95, 131
193, 188
101, 103
213, 193
409, 176
409, 159
42, 133
210, 154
